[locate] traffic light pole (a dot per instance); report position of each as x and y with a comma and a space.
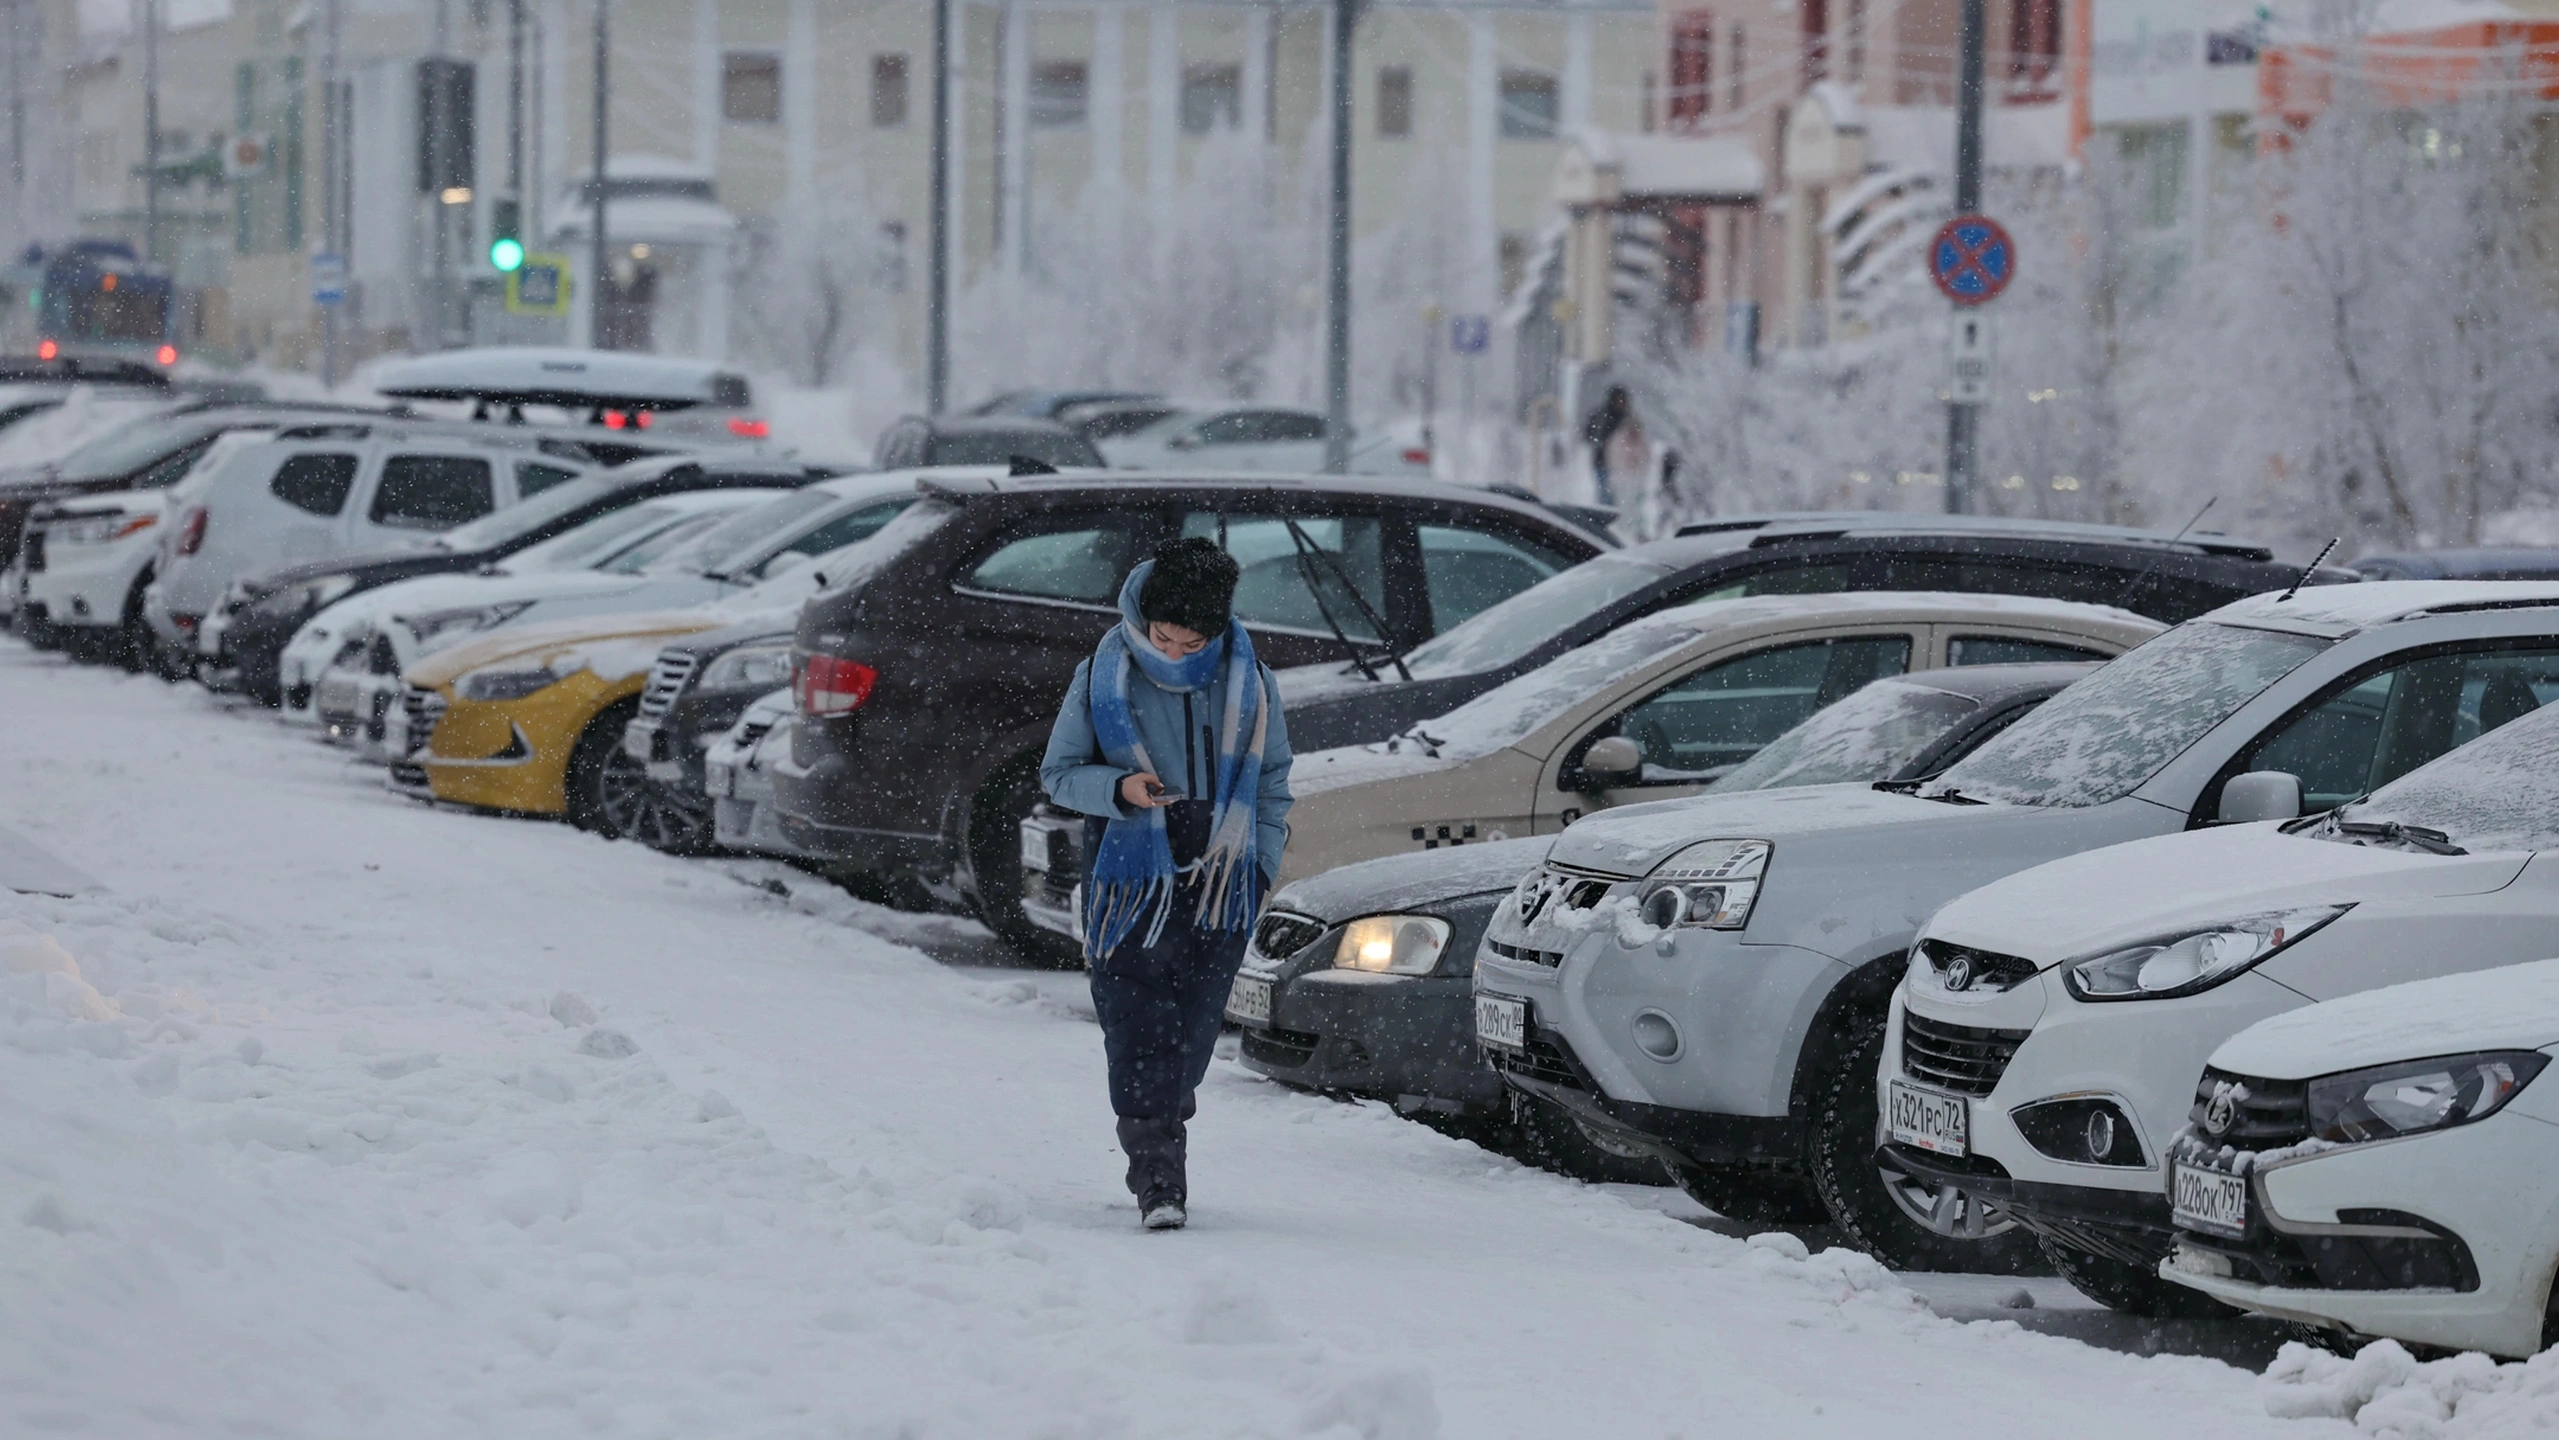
1337, 310
937, 291
439, 119
1963, 420
596, 332
333, 139
151, 131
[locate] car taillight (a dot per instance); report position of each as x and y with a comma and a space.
47, 349
824, 685
615, 419
191, 531
741, 426
167, 355
1416, 455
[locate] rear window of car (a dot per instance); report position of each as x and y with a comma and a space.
314, 484
1075, 561
433, 492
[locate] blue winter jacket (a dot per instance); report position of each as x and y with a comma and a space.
1179, 729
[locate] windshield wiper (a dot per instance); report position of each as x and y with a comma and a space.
1952, 796
2432, 841
1308, 553
1900, 787
1428, 742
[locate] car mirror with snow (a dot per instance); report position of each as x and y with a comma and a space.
2260, 795
1612, 761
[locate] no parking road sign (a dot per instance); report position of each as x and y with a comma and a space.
1972, 259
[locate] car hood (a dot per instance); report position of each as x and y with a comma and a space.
1325, 770
1632, 840
1418, 882
1301, 684
442, 592
376, 567
2515, 1007
612, 646
2095, 901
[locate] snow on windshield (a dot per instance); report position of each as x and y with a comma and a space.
2107, 734
1868, 736
1505, 632
1508, 713
2499, 792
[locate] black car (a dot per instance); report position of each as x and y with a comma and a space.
927, 690
2151, 573
1359, 981
914, 442
268, 607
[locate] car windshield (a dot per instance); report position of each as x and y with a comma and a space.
673, 550
1510, 712
125, 449
598, 539
735, 536
2499, 792
500, 529
2105, 735
1503, 633
1868, 736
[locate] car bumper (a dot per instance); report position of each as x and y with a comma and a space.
87, 585
244, 648
800, 802
1407, 1039
514, 755
356, 708
673, 744
742, 814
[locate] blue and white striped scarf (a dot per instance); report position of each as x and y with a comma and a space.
1133, 875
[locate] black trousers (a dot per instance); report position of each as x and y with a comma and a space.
1159, 1006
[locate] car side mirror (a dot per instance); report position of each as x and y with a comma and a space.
1613, 761
2260, 795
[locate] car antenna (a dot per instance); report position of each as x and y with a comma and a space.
2306, 569
2124, 601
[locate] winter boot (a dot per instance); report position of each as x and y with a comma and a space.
1156, 1171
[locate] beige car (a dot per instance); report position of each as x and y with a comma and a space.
1657, 710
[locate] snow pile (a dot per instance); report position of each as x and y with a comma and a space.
2389, 1393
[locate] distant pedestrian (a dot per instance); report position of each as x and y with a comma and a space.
1599, 428
1172, 741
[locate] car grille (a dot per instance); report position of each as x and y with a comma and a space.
667, 679
34, 551
421, 708
1281, 934
1292, 1048
1548, 958
2265, 1114
1545, 1057
381, 657
1988, 971
1961, 1058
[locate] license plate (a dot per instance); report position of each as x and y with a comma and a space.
337, 697
1249, 1002
1035, 848
2210, 1200
1927, 1120
1502, 1022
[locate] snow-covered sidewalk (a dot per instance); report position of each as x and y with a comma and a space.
335, 1115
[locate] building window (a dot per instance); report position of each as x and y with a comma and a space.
1395, 101
1816, 15
888, 91
2034, 42
1741, 64
891, 275
1513, 255
1853, 61
1212, 98
1692, 68
1057, 95
751, 88
1528, 105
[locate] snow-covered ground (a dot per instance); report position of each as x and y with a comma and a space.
329, 1114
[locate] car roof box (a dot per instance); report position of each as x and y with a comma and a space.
547, 375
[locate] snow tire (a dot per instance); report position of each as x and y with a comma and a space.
1545, 1136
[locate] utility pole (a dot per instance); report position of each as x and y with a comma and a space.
151, 131
595, 260
937, 284
333, 139
439, 118
1337, 315
1963, 420
17, 106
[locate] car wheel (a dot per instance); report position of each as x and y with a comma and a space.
1545, 1136
137, 648
1752, 1194
2131, 1289
1900, 1219
995, 869
601, 792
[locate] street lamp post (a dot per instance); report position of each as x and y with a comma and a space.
1337, 316
937, 283
1963, 419
603, 95
151, 130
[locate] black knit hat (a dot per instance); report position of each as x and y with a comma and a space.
1192, 585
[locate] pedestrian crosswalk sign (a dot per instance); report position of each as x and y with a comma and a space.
539, 286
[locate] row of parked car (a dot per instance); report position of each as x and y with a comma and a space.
1901, 871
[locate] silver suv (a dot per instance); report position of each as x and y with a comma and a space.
1710, 978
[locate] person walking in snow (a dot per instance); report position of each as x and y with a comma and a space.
1599, 431
1172, 743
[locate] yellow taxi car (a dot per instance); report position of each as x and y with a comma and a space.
529, 721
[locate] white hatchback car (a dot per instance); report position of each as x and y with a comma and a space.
2387, 1160
2044, 1042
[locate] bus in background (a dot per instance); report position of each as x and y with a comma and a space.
96, 298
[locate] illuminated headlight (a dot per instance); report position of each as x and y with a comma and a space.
1710, 885
2418, 1095
766, 667
1392, 944
506, 684
462, 620
2192, 960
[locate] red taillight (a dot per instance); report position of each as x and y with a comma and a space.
46, 349
615, 419
744, 428
1415, 455
168, 355
191, 531
824, 685
640, 419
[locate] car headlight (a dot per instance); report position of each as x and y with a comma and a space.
462, 620
2418, 1095
762, 666
1392, 944
302, 599
99, 529
1710, 885
2192, 960
506, 684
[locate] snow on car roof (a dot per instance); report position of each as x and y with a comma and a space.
2513, 1007
2340, 610
1717, 614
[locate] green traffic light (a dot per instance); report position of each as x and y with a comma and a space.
507, 253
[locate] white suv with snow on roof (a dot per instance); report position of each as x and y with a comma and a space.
1712, 979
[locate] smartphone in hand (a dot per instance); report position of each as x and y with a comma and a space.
1157, 793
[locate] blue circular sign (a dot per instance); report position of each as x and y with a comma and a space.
1972, 259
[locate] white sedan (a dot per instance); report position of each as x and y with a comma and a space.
2408, 1193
